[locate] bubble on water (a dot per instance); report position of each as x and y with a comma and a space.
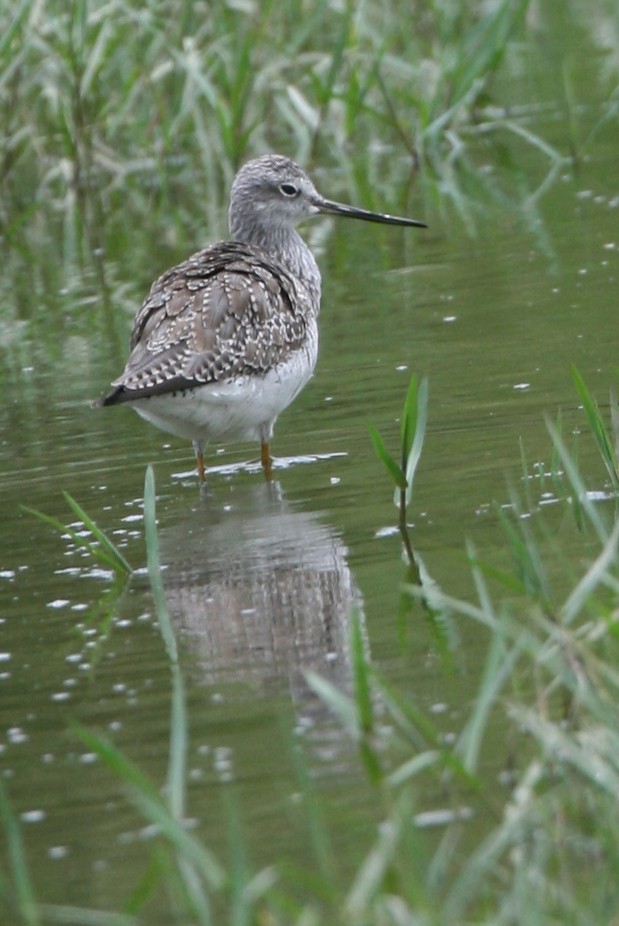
33, 816
57, 852
16, 735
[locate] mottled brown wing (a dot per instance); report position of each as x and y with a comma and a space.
227, 311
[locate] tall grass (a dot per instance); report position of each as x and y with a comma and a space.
118, 109
119, 90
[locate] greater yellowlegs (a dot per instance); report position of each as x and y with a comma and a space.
225, 341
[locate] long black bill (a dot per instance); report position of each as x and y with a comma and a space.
352, 212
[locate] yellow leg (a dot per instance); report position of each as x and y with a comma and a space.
201, 469
265, 458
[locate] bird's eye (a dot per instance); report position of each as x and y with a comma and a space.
288, 189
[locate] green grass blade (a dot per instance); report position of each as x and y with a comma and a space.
386, 459
16, 22
340, 704
363, 696
176, 787
23, 890
596, 423
614, 421
416, 434
238, 867
526, 557
148, 883
318, 834
111, 550
151, 804
106, 552
594, 576
154, 571
100, 555
499, 667
374, 869
409, 420
363, 699
82, 916
245, 890
483, 46
177, 763
586, 505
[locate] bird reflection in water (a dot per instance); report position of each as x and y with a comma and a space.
261, 593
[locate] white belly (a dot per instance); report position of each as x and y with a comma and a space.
244, 409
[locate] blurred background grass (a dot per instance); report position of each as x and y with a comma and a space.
122, 118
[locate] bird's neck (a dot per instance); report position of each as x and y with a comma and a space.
288, 247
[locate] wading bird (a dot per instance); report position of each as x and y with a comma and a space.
225, 340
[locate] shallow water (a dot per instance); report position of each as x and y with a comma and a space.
261, 579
